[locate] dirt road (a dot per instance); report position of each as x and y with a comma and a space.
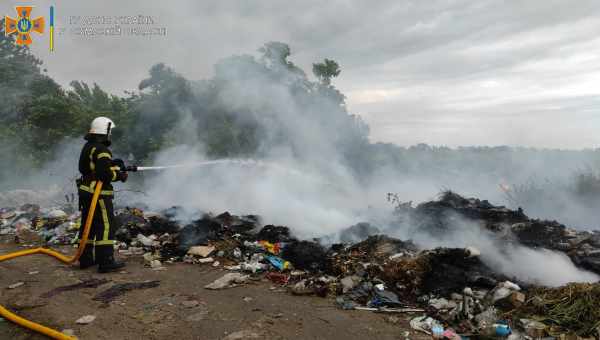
179, 308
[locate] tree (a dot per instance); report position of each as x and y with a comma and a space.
275, 56
89, 103
152, 114
326, 70
33, 110
244, 110
19, 71
275, 52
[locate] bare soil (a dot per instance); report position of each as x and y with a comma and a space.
179, 308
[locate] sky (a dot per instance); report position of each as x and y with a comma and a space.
486, 72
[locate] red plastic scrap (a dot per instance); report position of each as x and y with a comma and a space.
279, 278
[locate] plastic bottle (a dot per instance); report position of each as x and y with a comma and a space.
437, 330
502, 329
499, 329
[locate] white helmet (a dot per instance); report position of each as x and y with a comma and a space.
102, 126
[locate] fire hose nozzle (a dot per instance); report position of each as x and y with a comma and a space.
131, 168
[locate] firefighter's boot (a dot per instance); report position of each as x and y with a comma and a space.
86, 259
106, 259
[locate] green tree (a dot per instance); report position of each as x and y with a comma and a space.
153, 112
19, 69
326, 70
93, 102
33, 108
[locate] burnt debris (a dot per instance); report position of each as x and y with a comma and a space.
361, 267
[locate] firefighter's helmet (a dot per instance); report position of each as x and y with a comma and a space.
101, 126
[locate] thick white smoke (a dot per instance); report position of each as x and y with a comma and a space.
301, 179
280, 190
539, 266
303, 175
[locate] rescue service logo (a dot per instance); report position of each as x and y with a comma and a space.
23, 25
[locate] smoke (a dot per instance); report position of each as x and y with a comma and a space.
296, 132
571, 199
280, 190
314, 171
59, 172
46, 186
294, 155
537, 266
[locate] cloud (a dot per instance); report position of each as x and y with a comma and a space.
447, 66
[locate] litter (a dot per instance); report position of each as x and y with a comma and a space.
203, 251
389, 310
437, 330
278, 278
69, 332
273, 248
86, 319
278, 262
367, 271
227, 281
16, 285
422, 324
384, 298
206, 260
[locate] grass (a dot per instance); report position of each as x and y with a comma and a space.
573, 308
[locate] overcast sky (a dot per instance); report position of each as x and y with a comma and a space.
479, 72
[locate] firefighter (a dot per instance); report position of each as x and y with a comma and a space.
96, 164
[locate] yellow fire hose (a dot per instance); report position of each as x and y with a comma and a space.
5, 313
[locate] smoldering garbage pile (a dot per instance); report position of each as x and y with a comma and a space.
449, 292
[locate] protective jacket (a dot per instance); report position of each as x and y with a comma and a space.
96, 164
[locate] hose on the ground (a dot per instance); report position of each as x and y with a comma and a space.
5, 313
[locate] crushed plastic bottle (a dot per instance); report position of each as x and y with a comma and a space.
500, 329
437, 330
